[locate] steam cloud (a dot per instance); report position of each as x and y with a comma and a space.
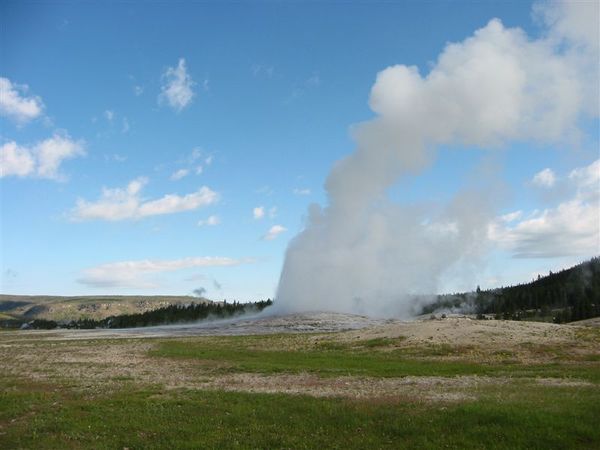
362, 252
199, 292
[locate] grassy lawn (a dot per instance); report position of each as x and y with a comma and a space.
47, 416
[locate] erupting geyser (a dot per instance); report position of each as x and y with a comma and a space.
362, 253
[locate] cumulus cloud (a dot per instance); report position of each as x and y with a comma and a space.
572, 228
364, 253
210, 221
16, 160
258, 212
544, 178
52, 152
126, 203
587, 179
576, 22
41, 160
133, 273
177, 88
273, 232
16, 105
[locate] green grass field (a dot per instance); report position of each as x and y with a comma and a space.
149, 394
48, 416
233, 354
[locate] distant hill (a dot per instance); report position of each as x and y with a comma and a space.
171, 314
20, 308
569, 295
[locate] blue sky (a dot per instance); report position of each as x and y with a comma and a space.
156, 148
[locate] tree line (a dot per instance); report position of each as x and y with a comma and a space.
569, 295
171, 314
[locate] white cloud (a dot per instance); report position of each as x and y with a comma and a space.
545, 178
210, 221
126, 203
587, 177
15, 160
15, 105
258, 212
177, 88
572, 228
576, 22
51, 152
125, 125
511, 217
516, 77
304, 191
138, 90
179, 174
192, 161
273, 232
43, 160
133, 273
109, 115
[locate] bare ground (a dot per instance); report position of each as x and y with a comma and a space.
485, 340
594, 322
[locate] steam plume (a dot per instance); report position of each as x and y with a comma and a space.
362, 252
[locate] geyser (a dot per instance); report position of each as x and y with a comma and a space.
362, 253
